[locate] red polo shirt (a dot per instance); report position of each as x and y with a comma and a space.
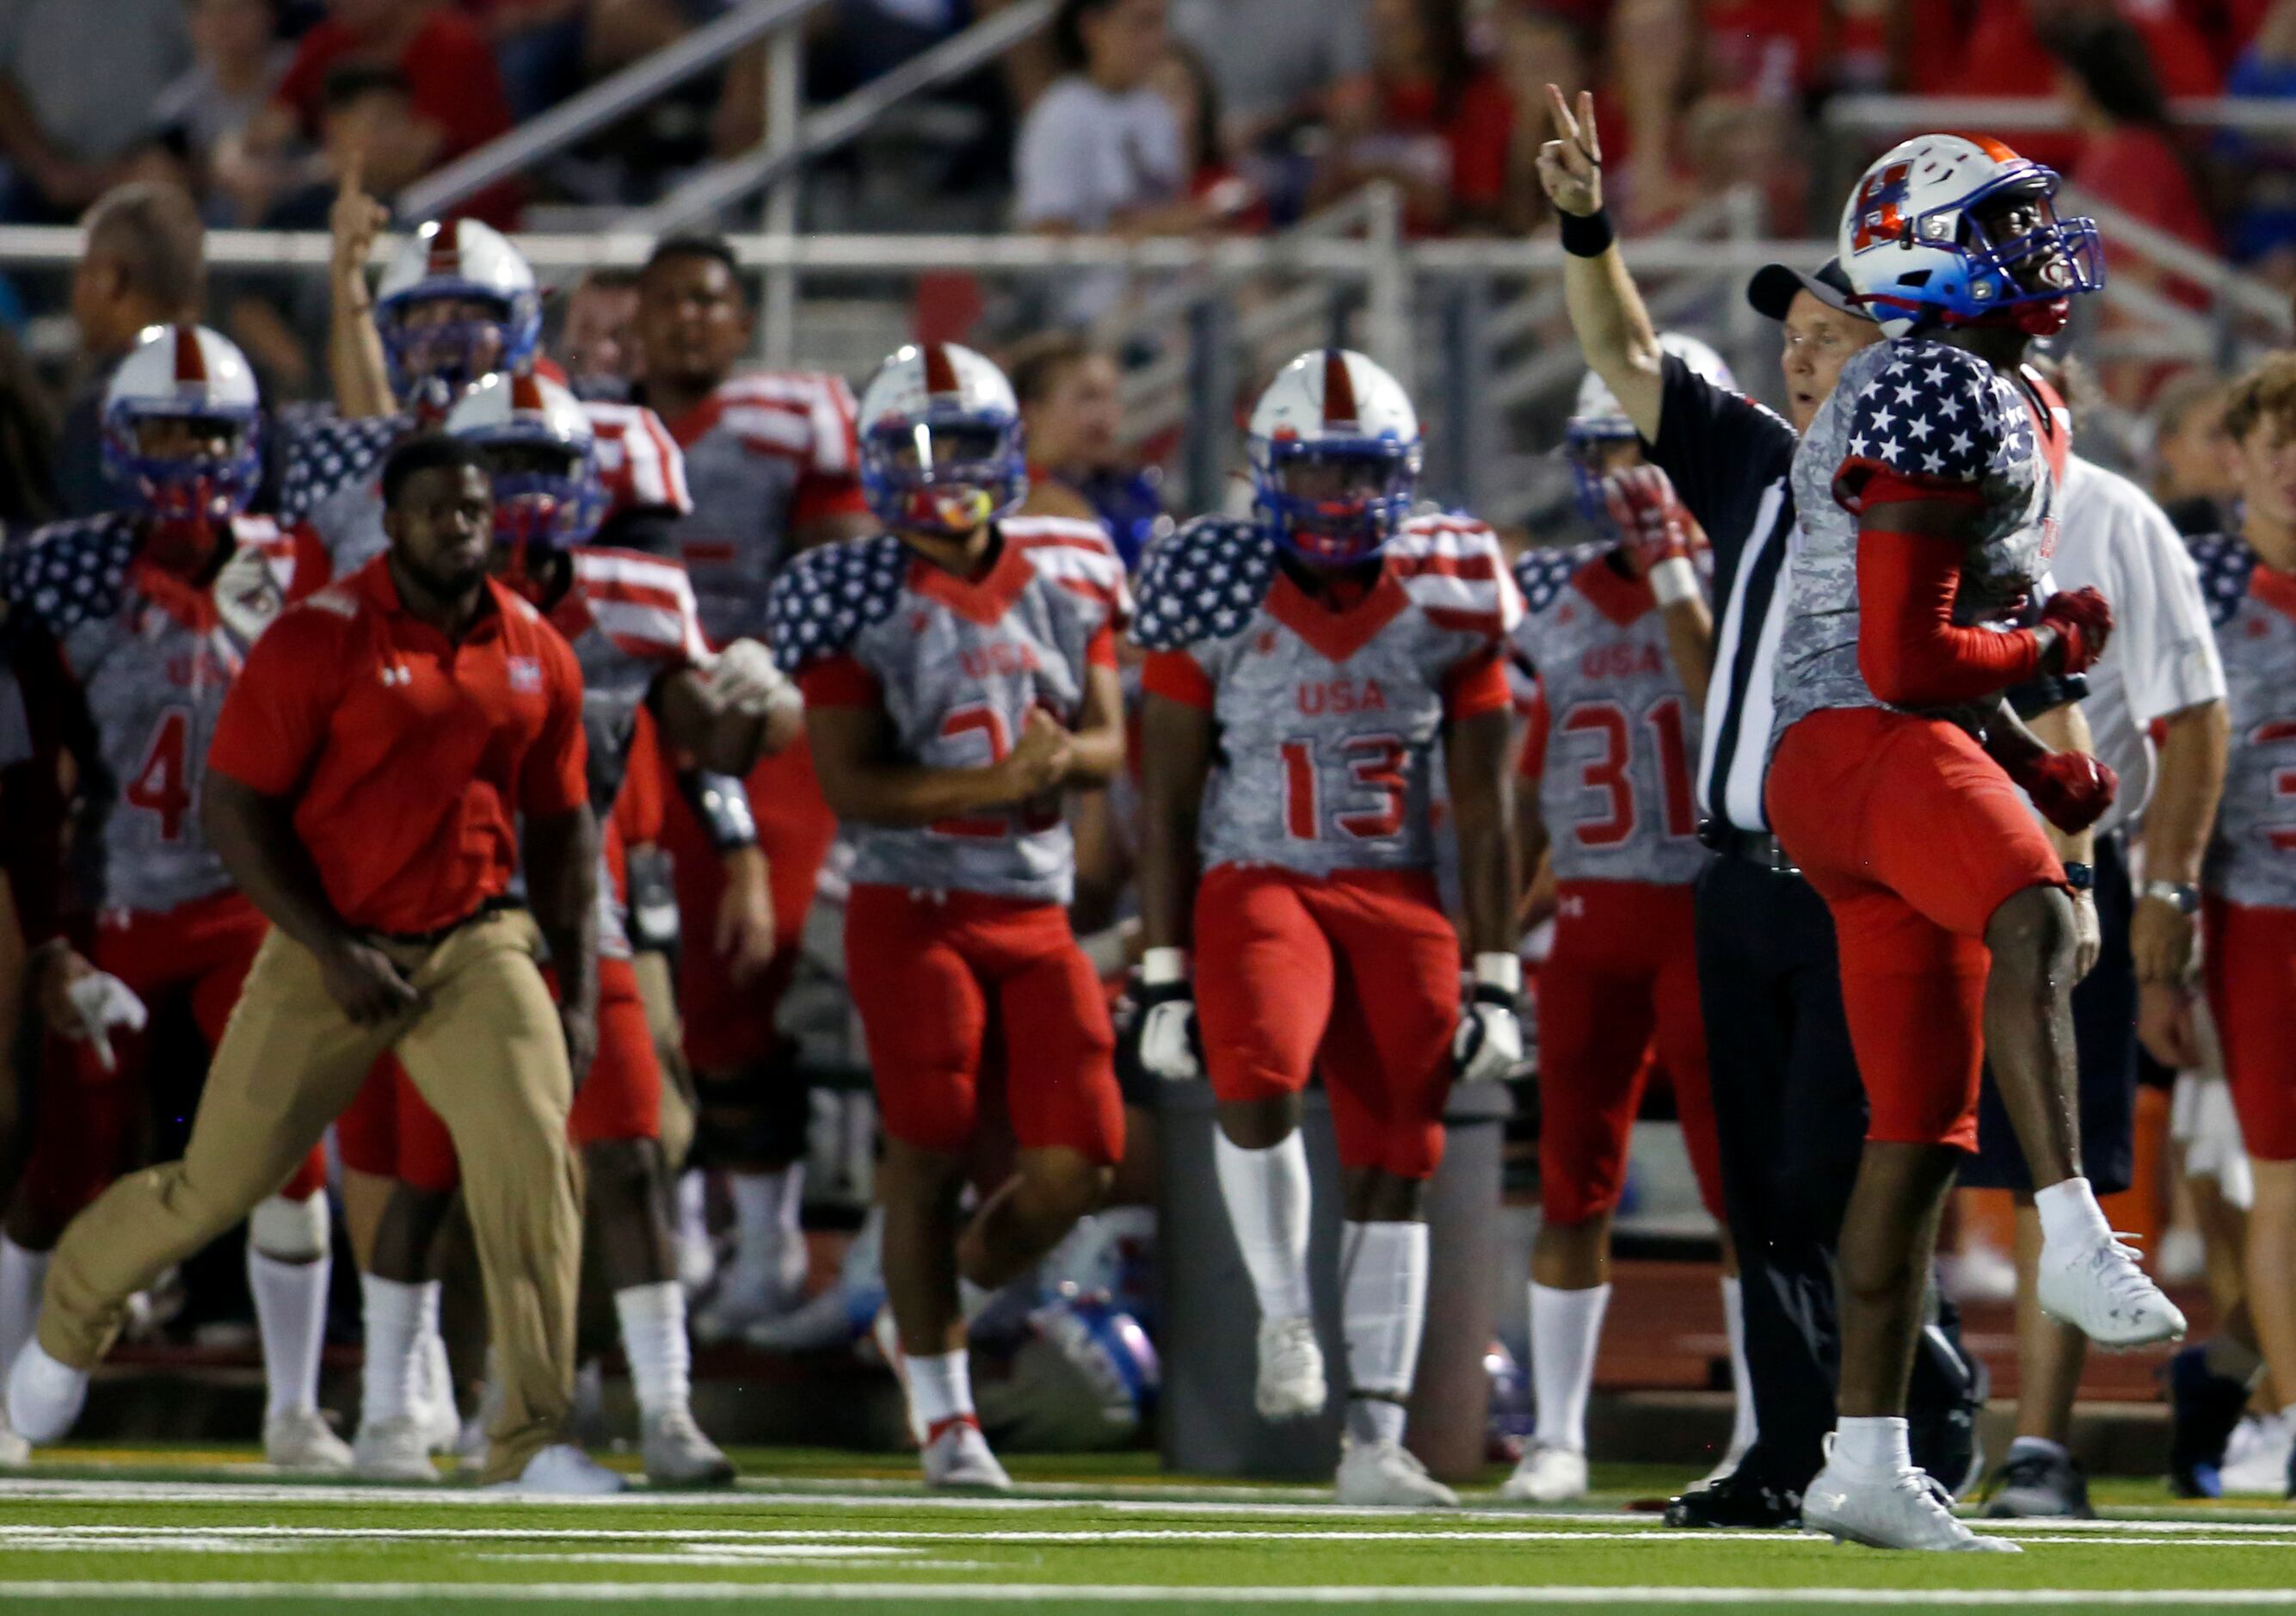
408, 755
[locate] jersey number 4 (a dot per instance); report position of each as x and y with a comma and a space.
1607, 772
990, 723
1375, 765
162, 785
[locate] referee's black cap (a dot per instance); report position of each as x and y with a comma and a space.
1772, 290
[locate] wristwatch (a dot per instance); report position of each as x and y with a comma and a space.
2184, 899
2081, 877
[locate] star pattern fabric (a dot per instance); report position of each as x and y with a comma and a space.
1931, 413
1542, 575
826, 596
68, 572
2226, 563
1205, 582
324, 452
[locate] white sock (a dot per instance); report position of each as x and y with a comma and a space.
22, 1273
765, 1208
1266, 1195
2070, 1215
653, 1339
1383, 1308
941, 1389
290, 1313
1876, 1442
1565, 1326
398, 1317
1743, 1424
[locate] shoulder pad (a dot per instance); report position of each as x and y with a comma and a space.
2224, 562
1072, 554
645, 604
639, 463
1545, 572
827, 596
1452, 568
324, 452
68, 572
1204, 582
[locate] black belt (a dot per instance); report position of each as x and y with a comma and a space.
1753, 847
439, 934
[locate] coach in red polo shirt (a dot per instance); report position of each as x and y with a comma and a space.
366, 781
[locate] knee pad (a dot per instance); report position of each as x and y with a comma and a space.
292, 1231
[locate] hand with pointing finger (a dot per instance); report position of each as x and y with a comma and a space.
1571, 164
356, 217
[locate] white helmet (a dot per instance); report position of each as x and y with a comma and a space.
1597, 417
1955, 228
940, 441
539, 450
185, 373
1333, 419
464, 260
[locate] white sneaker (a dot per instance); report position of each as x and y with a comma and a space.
1385, 1475
2256, 1460
1880, 1510
2182, 1257
959, 1457
2099, 1289
678, 1455
13, 1448
300, 1439
433, 1399
562, 1470
1547, 1474
1982, 1273
1292, 1383
45, 1396
748, 1294
392, 1450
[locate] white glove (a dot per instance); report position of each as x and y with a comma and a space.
1168, 1016
1489, 1040
744, 677
103, 1001
247, 595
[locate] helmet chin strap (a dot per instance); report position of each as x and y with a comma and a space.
2043, 319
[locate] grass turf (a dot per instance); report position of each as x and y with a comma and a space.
94, 1531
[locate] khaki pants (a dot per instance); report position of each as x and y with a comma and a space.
485, 1050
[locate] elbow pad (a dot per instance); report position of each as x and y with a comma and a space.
721, 802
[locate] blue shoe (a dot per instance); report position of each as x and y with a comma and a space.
2204, 1407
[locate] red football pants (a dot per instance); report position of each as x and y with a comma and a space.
2250, 963
1357, 973
1914, 837
943, 980
1624, 968
86, 1124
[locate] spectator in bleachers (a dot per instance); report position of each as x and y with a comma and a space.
2261, 229
2128, 156
1073, 404
77, 81
1536, 46
1279, 63
2005, 56
1439, 127
238, 63
1652, 52
2191, 454
1771, 51
1184, 79
548, 49
598, 342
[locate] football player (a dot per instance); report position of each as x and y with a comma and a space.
134, 623
959, 673
1608, 798
1927, 490
772, 466
631, 618
1303, 665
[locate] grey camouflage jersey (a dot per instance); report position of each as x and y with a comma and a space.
334, 481
2251, 858
1927, 413
1616, 786
956, 667
151, 662
1328, 721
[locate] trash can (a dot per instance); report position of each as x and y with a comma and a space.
1210, 1319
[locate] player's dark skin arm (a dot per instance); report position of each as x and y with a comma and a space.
717, 738
1176, 760
863, 779
1476, 755
561, 883
1530, 844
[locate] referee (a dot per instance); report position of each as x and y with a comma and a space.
1789, 1106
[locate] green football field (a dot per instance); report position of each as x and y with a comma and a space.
90, 1531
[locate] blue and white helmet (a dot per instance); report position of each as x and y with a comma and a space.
541, 456
1952, 229
456, 260
941, 444
1335, 457
1597, 418
185, 373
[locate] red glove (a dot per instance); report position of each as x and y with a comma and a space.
2072, 790
1652, 526
2083, 619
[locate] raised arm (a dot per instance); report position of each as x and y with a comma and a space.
1613, 328
355, 358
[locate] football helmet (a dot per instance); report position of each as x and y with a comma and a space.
1335, 457
1950, 229
1597, 418
940, 441
456, 260
540, 456
198, 379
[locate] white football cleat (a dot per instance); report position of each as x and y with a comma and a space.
432, 1403
45, 1396
563, 1471
1386, 1475
957, 1457
1546, 1473
678, 1455
300, 1439
1877, 1509
749, 1295
393, 1450
2256, 1459
1291, 1385
2099, 1289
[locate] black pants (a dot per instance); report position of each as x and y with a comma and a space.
1790, 1112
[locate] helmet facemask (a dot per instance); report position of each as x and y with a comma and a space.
441, 342
1593, 447
547, 498
2016, 242
187, 475
943, 474
1335, 502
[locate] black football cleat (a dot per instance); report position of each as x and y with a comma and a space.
2203, 1408
2039, 1487
1736, 1503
